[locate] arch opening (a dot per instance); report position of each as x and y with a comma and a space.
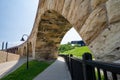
71, 35
72, 43
51, 30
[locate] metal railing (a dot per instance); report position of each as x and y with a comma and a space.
88, 69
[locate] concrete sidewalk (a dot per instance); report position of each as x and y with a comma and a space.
8, 67
57, 71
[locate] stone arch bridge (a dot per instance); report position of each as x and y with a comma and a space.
96, 21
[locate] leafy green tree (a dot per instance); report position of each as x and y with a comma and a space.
65, 47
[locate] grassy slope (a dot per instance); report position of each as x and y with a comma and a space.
78, 51
35, 67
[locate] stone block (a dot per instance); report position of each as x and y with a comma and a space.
113, 10
95, 3
81, 14
95, 23
106, 46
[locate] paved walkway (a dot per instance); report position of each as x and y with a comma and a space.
57, 71
8, 67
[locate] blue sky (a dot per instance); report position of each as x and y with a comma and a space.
17, 18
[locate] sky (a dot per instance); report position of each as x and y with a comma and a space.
17, 18
71, 35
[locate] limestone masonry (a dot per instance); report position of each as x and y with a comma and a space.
97, 21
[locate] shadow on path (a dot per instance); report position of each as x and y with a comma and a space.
57, 71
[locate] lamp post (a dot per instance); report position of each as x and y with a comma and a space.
22, 39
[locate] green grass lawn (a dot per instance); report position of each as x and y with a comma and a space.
35, 67
78, 51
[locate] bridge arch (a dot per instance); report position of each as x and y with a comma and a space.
51, 30
97, 21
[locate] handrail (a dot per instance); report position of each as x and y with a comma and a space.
87, 69
112, 67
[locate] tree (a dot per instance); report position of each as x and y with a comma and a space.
65, 47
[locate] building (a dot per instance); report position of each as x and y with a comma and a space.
80, 43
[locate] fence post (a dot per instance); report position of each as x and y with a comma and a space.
88, 71
70, 64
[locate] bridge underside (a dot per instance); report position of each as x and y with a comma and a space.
51, 30
96, 21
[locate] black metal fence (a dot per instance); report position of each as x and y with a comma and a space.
87, 69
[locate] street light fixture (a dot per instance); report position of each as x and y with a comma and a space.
22, 39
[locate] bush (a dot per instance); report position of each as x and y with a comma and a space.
65, 47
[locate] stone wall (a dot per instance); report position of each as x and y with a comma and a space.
51, 30
97, 22
11, 56
106, 46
